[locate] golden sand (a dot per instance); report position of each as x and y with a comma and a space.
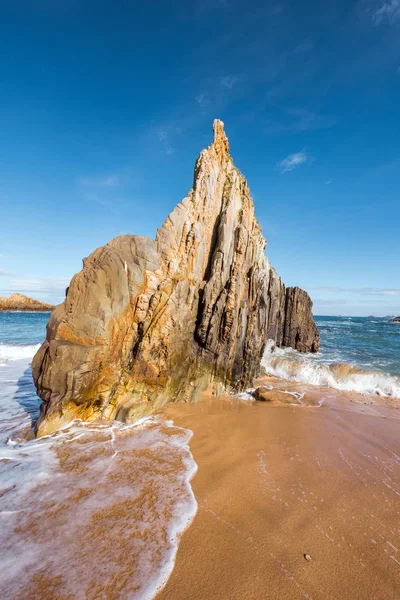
294, 501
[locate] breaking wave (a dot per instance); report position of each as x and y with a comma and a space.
10, 352
286, 363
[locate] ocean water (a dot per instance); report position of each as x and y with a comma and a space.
360, 354
95, 511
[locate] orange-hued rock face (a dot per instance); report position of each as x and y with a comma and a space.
21, 302
146, 322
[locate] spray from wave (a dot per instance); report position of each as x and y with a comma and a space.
286, 363
10, 352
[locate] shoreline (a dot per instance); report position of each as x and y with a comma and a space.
6, 310
278, 482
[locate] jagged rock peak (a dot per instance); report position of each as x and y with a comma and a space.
221, 142
146, 322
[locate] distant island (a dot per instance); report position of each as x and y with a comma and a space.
23, 303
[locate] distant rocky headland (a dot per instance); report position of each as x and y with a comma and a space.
146, 322
395, 320
23, 303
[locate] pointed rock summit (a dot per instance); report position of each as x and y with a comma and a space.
146, 322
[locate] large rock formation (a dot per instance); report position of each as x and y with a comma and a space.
23, 303
147, 321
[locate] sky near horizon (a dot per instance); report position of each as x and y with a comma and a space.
105, 106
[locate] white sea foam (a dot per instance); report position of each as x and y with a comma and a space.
247, 395
92, 511
286, 363
16, 352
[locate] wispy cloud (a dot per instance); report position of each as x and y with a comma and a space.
104, 189
110, 205
105, 181
292, 161
50, 290
164, 138
277, 9
4, 273
329, 302
388, 292
202, 99
304, 46
306, 120
28, 284
380, 12
298, 120
328, 182
229, 81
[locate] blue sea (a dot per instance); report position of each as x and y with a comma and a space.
365, 342
360, 354
22, 329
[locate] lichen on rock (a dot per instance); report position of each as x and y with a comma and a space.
146, 322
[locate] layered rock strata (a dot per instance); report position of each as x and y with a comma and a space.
146, 322
23, 303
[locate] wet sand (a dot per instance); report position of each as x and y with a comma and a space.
94, 512
278, 482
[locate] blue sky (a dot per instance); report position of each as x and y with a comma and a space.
105, 106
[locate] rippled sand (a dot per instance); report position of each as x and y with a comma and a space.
295, 501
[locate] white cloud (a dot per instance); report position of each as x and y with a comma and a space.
4, 273
292, 161
229, 81
384, 12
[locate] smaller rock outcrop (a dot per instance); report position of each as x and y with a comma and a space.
278, 397
395, 320
300, 331
20, 302
262, 394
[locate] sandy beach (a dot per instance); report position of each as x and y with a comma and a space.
293, 501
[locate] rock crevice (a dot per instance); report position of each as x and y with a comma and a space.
146, 322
